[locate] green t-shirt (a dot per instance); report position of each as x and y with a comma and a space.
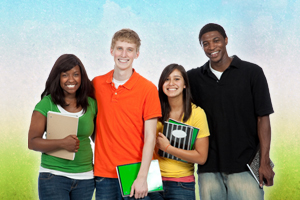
83, 161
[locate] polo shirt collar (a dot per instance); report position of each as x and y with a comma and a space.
234, 63
131, 81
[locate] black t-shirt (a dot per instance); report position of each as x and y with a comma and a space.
232, 105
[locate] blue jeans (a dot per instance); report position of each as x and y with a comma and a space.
53, 187
236, 186
109, 189
175, 190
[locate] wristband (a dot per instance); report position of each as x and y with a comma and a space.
167, 147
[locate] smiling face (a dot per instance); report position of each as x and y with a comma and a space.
124, 54
70, 81
214, 46
174, 84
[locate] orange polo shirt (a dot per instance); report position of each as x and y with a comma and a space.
120, 121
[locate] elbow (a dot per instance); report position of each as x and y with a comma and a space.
30, 146
202, 161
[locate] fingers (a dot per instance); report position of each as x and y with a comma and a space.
260, 180
140, 195
269, 181
132, 191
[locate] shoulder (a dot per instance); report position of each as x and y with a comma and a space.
92, 101
145, 81
102, 77
245, 65
195, 73
195, 70
45, 105
197, 111
46, 99
145, 85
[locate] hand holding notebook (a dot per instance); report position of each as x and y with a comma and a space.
60, 126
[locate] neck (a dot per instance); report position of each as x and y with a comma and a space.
70, 99
122, 75
221, 65
176, 106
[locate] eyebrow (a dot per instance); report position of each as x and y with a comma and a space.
177, 76
212, 39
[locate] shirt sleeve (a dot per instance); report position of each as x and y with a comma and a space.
199, 121
261, 94
44, 106
152, 108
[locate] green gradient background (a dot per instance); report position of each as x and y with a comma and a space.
34, 33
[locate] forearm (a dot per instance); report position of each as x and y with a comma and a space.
147, 155
149, 144
264, 135
44, 146
199, 155
191, 156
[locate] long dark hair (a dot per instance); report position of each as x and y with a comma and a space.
64, 63
186, 97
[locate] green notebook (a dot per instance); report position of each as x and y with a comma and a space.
128, 173
195, 132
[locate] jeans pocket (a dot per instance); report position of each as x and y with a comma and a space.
99, 179
187, 186
45, 176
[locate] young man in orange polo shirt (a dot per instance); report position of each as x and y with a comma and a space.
128, 108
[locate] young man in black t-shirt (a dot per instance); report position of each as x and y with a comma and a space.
236, 99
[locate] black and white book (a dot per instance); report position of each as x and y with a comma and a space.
180, 136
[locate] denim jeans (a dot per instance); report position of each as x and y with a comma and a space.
53, 187
223, 186
175, 190
109, 189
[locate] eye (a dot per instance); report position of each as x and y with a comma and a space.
204, 44
64, 75
130, 49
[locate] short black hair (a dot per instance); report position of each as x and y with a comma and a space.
212, 27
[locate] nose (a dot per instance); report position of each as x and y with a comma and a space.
211, 46
171, 82
71, 79
123, 53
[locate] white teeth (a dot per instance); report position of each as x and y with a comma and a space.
70, 86
172, 89
121, 60
214, 53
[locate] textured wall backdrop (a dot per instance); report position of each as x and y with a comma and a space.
33, 34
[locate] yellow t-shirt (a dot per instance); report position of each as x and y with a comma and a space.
177, 169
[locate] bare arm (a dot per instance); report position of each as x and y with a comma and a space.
199, 155
140, 188
37, 143
264, 134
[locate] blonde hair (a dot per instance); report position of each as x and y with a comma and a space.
126, 35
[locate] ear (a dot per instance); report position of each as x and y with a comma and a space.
226, 40
184, 86
111, 52
137, 54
